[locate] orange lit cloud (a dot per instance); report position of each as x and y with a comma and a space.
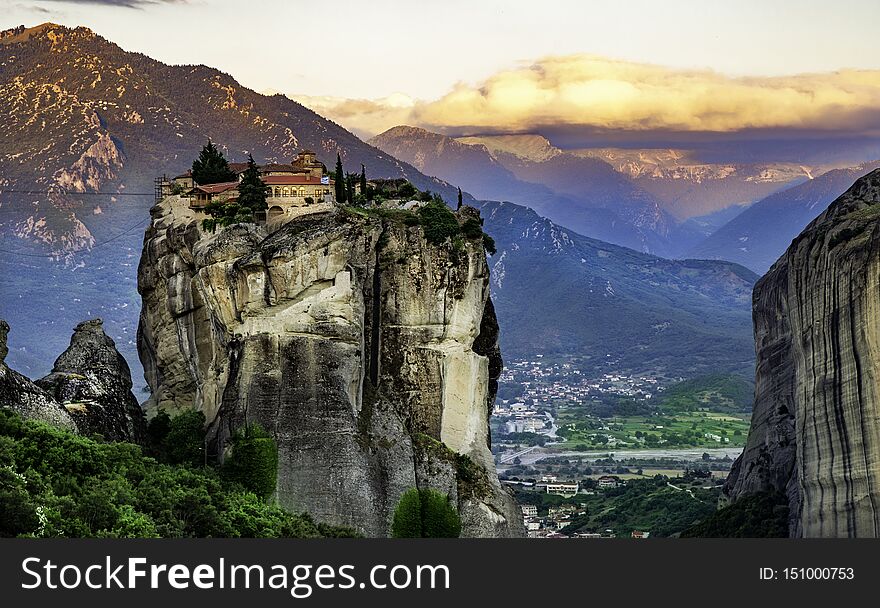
599, 93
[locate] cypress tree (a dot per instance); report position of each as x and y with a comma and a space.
252, 192
349, 187
340, 181
211, 167
363, 180
459, 199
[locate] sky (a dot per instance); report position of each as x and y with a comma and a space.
623, 66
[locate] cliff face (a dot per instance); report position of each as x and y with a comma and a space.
88, 391
368, 353
815, 432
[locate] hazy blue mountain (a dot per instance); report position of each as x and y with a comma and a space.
557, 291
759, 235
586, 194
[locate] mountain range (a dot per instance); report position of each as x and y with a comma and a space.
585, 194
88, 126
759, 235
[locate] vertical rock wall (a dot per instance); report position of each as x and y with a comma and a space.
351, 339
815, 432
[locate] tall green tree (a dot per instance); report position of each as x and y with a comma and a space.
363, 180
211, 167
425, 513
459, 199
252, 192
349, 187
340, 181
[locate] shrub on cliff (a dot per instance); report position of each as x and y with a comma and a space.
439, 222
425, 513
253, 462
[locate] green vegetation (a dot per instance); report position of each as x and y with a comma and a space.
54, 483
436, 218
438, 222
713, 392
252, 192
339, 181
211, 167
687, 430
762, 515
642, 504
425, 514
254, 461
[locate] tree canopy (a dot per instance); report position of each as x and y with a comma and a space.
252, 192
211, 167
340, 181
425, 513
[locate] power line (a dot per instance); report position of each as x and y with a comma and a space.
140, 224
45, 192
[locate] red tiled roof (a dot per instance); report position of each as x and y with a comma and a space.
217, 188
293, 180
187, 174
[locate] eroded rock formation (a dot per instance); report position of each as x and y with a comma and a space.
88, 391
370, 355
93, 383
24, 397
815, 432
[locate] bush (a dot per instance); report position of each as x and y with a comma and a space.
760, 515
185, 441
425, 514
254, 461
472, 229
439, 222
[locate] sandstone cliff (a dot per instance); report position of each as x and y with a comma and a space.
815, 432
88, 391
367, 352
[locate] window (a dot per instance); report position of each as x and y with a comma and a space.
286, 191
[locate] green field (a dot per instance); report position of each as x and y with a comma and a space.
684, 430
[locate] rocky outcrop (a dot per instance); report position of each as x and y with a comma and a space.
93, 383
815, 432
367, 352
26, 398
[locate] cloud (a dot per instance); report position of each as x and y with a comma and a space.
365, 117
588, 92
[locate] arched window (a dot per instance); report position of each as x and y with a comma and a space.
277, 191
286, 191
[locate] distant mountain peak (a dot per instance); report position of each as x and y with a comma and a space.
528, 146
50, 31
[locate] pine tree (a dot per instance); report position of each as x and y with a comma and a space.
340, 181
363, 180
349, 187
252, 192
211, 167
459, 199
